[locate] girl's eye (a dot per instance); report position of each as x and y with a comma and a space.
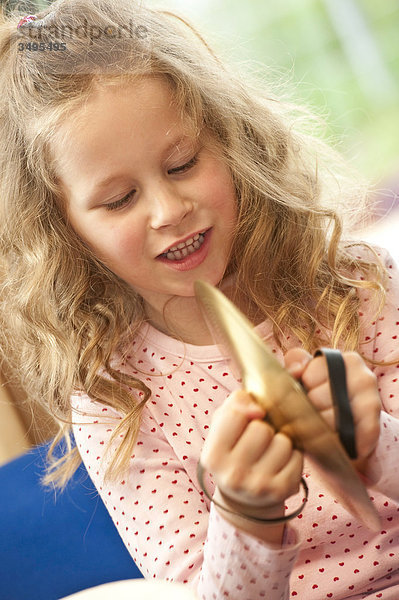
183, 168
118, 204
121, 202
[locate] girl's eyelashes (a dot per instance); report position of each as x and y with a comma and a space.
183, 168
121, 202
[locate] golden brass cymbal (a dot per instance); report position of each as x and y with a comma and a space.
287, 406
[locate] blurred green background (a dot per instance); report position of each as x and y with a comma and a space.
339, 57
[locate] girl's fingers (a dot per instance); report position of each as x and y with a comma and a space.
315, 374
279, 454
359, 377
366, 408
234, 470
253, 443
286, 482
267, 481
228, 425
277, 477
320, 396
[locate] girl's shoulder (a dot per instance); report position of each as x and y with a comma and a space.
371, 253
378, 304
373, 268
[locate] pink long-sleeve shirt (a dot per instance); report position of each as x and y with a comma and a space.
174, 533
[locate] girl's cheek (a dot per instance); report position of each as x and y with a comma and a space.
123, 240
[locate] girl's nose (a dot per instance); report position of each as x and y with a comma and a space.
168, 208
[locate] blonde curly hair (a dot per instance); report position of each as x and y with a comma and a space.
63, 314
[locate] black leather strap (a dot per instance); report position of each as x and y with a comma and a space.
343, 414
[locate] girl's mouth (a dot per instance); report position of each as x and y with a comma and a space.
188, 254
185, 248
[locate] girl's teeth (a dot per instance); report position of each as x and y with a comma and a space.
184, 249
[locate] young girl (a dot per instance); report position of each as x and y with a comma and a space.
133, 163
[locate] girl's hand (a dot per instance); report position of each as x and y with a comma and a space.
254, 468
362, 392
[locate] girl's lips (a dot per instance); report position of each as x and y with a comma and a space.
192, 260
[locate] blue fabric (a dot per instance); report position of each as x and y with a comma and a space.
55, 543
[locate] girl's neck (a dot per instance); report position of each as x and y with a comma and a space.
183, 319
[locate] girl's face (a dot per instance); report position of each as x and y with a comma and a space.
154, 203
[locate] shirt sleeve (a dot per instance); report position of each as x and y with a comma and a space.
167, 525
381, 339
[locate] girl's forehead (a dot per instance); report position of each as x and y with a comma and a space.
148, 94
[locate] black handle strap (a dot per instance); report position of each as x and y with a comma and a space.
343, 414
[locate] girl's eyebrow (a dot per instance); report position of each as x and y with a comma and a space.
104, 183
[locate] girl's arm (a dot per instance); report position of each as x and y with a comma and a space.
383, 466
165, 523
